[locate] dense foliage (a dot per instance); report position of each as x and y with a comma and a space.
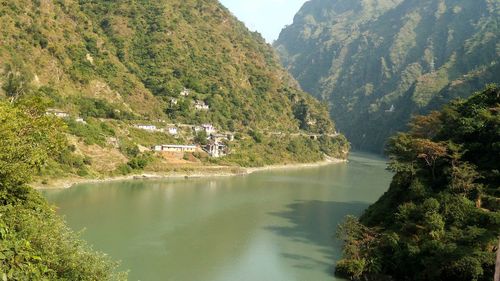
261, 150
35, 244
378, 62
440, 219
113, 65
129, 59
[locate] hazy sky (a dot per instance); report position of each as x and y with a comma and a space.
265, 16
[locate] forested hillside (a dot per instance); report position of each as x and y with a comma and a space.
440, 219
107, 67
137, 55
378, 62
87, 88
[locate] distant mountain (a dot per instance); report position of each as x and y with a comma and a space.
136, 57
377, 62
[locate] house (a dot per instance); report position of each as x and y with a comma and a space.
216, 149
150, 128
201, 105
392, 109
172, 131
80, 120
57, 113
311, 122
209, 129
185, 92
173, 101
222, 137
174, 148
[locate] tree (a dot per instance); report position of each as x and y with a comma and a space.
201, 137
401, 154
35, 244
16, 82
426, 126
359, 244
430, 152
435, 229
463, 181
27, 141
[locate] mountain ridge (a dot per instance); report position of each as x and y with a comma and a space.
368, 57
125, 74
138, 55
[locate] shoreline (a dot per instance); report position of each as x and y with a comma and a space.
217, 171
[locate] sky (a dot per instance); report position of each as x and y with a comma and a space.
267, 17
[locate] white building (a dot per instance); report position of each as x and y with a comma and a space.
173, 101
185, 92
201, 105
173, 131
150, 128
392, 109
216, 149
80, 120
222, 137
174, 148
209, 129
57, 113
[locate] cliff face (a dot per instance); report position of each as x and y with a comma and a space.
377, 62
136, 56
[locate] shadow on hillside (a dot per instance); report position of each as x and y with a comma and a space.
315, 223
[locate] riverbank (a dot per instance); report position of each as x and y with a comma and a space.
194, 172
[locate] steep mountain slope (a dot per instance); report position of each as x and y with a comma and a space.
125, 74
377, 62
136, 56
440, 218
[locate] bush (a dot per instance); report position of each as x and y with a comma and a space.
35, 244
257, 136
124, 169
201, 138
353, 268
94, 132
140, 161
130, 150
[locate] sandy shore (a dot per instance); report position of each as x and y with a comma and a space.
202, 172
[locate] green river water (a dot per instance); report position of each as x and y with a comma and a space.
269, 226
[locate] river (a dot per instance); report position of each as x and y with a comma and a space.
269, 226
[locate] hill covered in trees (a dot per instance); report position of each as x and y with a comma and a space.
378, 62
119, 64
79, 78
139, 55
440, 219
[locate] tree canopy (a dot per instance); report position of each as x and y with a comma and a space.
440, 219
35, 244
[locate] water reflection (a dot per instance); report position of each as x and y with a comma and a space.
274, 225
313, 222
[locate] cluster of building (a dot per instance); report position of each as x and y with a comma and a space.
215, 147
63, 114
198, 104
175, 148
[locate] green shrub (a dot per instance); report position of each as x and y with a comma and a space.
140, 162
35, 244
